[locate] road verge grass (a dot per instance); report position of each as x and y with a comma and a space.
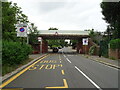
9, 68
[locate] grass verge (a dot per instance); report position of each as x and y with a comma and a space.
9, 68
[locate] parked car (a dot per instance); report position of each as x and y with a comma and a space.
55, 49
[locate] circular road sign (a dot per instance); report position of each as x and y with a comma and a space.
22, 29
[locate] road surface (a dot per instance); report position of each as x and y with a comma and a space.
65, 70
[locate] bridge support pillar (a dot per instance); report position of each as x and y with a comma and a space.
82, 49
44, 46
79, 47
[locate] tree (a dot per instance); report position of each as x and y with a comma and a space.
111, 12
33, 34
51, 28
74, 43
8, 19
95, 36
11, 15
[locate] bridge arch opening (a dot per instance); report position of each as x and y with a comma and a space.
48, 35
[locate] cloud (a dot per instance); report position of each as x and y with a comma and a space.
111, 0
64, 14
49, 6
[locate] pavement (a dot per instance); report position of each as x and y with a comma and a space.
103, 60
64, 70
34, 56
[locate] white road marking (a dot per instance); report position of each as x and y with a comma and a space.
88, 78
108, 66
68, 60
96, 61
64, 56
105, 65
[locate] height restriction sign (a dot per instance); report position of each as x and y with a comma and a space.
22, 31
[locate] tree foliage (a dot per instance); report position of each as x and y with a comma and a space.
33, 36
51, 28
111, 12
14, 52
95, 36
11, 16
57, 43
8, 19
115, 44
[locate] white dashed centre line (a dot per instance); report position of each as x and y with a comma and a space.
68, 60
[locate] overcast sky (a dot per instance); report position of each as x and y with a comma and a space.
64, 14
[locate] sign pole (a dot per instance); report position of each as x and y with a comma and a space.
41, 47
40, 40
22, 40
85, 49
27, 39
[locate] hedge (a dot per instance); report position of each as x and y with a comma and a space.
115, 44
104, 48
14, 53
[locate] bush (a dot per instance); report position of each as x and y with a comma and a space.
104, 48
115, 44
92, 50
14, 53
55, 46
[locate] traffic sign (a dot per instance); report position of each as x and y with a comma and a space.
85, 41
21, 30
39, 38
21, 25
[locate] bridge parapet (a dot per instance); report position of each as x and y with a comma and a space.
63, 32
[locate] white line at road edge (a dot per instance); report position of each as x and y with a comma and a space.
88, 78
68, 60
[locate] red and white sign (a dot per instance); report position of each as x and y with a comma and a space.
39, 38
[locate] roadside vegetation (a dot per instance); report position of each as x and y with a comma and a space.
115, 44
13, 55
111, 36
111, 13
15, 50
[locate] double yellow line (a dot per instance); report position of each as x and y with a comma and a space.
24, 70
18, 74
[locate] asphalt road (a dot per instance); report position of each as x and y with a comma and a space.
65, 70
